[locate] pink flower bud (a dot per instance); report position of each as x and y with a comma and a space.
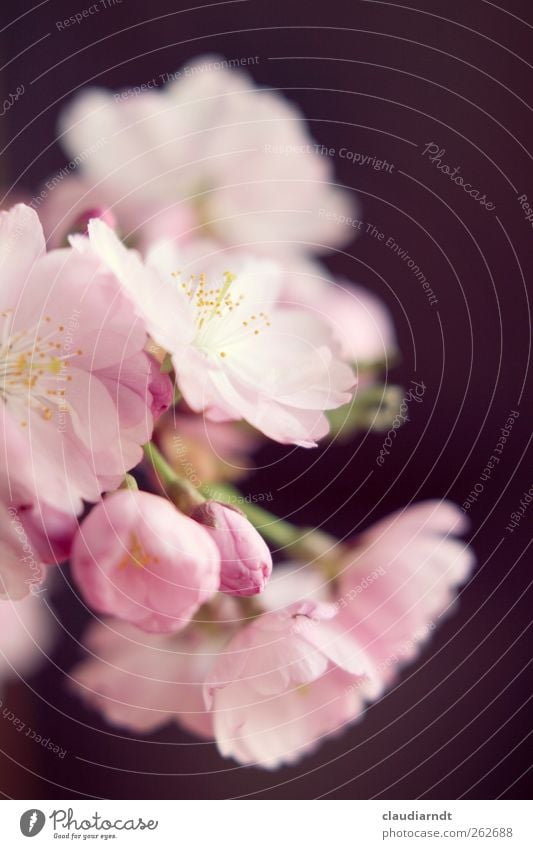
27, 631
245, 560
160, 388
136, 557
81, 223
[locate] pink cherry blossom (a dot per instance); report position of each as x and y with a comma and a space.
399, 577
285, 682
211, 150
142, 681
79, 393
26, 635
236, 354
32, 533
245, 559
138, 558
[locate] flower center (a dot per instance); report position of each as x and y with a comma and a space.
136, 554
33, 369
218, 312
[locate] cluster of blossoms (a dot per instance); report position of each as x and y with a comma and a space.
179, 317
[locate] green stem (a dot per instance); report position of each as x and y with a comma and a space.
130, 483
184, 494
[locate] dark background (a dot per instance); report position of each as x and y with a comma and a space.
371, 76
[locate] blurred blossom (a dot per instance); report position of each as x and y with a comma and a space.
143, 681
140, 223
292, 582
284, 683
360, 322
399, 577
26, 635
76, 383
138, 558
210, 151
245, 559
235, 352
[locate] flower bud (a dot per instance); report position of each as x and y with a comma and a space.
245, 560
82, 221
160, 388
139, 559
